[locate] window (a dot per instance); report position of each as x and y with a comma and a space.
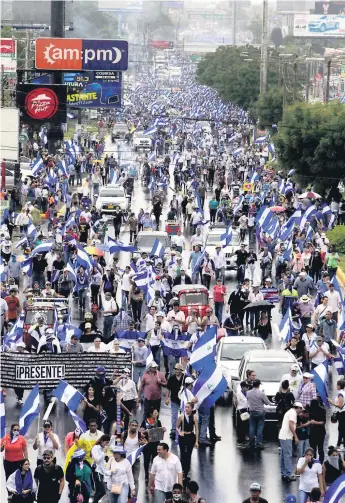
270, 371
193, 298
236, 351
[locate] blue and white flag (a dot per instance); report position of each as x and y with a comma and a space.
83, 259
2, 414
199, 262
174, 345
158, 249
204, 351
291, 172
307, 216
30, 410
133, 456
31, 231
3, 271
62, 167
149, 357
209, 386
260, 140
68, 395
127, 338
66, 330
141, 279
237, 152
225, 238
117, 246
21, 242
288, 252
152, 157
37, 166
286, 327
44, 247
264, 217
16, 333
78, 421
71, 273
335, 491
321, 381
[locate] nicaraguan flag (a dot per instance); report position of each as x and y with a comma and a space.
66, 330
31, 231
199, 262
141, 279
62, 167
210, 386
337, 288
21, 242
285, 328
117, 246
16, 334
238, 207
152, 157
204, 350
149, 357
30, 410
2, 414
335, 491
37, 166
68, 395
26, 266
321, 381
174, 346
71, 271
42, 248
260, 140
225, 238
237, 152
83, 259
308, 214
133, 456
127, 338
264, 217
158, 249
288, 252
78, 421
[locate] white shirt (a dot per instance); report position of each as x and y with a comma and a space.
178, 240
50, 257
219, 260
128, 389
179, 317
309, 341
285, 432
109, 305
333, 300
320, 356
150, 322
43, 446
294, 382
166, 472
309, 478
126, 282
102, 348
242, 402
3, 307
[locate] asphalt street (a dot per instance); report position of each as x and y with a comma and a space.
223, 472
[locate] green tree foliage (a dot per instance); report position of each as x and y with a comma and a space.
311, 140
235, 77
337, 237
269, 107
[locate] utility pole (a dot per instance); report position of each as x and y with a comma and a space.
264, 48
234, 12
284, 83
328, 78
307, 84
27, 52
57, 24
294, 81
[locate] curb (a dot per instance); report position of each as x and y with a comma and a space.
341, 276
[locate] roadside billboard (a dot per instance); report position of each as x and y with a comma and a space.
120, 5
316, 26
8, 55
80, 54
42, 103
9, 134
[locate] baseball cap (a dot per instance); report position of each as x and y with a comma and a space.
310, 325
294, 366
255, 486
87, 325
153, 365
189, 380
290, 498
298, 404
308, 375
100, 369
141, 339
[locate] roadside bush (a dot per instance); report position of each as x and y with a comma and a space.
337, 237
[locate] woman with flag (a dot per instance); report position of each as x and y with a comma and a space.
21, 484
15, 449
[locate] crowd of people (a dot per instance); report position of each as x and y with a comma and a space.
56, 244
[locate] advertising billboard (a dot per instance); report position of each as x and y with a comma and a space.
80, 54
120, 5
9, 133
313, 25
8, 55
330, 8
42, 103
161, 44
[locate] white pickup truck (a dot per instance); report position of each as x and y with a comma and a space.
141, 141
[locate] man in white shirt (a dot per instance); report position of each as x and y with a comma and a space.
176, 317
98, 346
334, 301
319, 352
50, 258
294, 378
150, 319
197, 239
286, 435
219, 262
166, 470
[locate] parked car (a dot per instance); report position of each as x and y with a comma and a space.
269, 366
214, 239
141, 141
230, 351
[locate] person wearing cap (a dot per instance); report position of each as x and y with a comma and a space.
120, 476
128, 391
319, 353
49, 478
209, 320
151, 385
306, 390
99, 453
219, 262
46, 440
309, 338
304, 284
99, 382
255, 491
79, 476
256, 404
48, 343
334, 301
310, 472
290, 498
241, 262
140, 351
288, 296
193, 262
294, 377
306, 309
286, 434
182, 278
174, 386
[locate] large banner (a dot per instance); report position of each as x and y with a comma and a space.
26, 370
317, 26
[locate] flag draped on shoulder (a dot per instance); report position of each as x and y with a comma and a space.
321, 381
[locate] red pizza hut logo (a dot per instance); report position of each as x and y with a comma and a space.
41, 103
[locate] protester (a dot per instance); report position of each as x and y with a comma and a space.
15, 448
49, 478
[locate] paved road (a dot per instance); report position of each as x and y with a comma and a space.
223, 472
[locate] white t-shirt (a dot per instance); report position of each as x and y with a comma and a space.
285, 432
48, 445
103, 348
294, 382
126, 282
333, 300
166, 472
309, 478
320, 357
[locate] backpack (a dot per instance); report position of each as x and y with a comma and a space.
283, 404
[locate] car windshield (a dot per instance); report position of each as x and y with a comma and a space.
214, 239
148, 240
193, 298
32, 314
112, 192
236, 351
270, 371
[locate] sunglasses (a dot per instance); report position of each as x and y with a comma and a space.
47, 457
15, 429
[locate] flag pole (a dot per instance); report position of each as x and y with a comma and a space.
49, 409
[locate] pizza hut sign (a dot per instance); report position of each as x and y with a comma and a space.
42, 103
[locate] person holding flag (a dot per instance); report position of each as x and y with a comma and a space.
15, 448
46, 440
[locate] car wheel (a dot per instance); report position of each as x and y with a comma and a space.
323, 27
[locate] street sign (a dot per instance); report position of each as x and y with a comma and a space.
81, 54
8, 55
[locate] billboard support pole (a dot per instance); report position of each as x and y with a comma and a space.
57, 29
328, 78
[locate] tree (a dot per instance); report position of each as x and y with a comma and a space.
277, 36
269, 107
311, 140
236, 77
